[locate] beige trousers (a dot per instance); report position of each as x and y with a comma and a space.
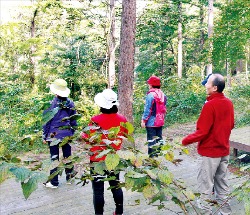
213, 172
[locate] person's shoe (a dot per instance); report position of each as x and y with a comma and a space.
69, 182
116, 214
49, 185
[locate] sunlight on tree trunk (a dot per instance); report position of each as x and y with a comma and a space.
202, 37
126, 61
112, 46
180, 41
210, 34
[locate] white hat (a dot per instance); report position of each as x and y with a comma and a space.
106, 99
59, 87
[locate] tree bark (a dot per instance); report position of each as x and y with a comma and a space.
126, 59
32, 50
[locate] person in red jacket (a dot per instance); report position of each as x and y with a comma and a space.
109, 118
212, 133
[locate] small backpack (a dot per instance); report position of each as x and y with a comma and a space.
160, 111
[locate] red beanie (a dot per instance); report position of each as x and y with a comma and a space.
154, 81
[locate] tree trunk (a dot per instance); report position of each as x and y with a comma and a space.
202, 37
210, 34
126, 61
228, 73
32, 50
180, 41
112, 45
162, 59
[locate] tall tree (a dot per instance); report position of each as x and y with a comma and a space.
180, 40
202, 32
126, 59
112, 45
210, 34
231, 36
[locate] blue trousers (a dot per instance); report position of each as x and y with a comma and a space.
54, 155
152, 133
98, 193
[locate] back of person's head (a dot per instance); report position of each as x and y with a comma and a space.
154, 81
107, 101
219, 82
114, 109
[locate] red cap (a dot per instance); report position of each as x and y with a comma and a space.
154, 81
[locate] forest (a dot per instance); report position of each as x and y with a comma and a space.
118, 44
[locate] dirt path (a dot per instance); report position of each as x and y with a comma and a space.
74, 199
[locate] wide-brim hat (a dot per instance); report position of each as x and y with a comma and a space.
106, 99
154, 81
206, 79
59, 87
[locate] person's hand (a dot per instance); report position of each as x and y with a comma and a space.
143, 124
44, 142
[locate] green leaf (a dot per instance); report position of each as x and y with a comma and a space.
189, 193
88, 128
113, 132
127, 155
65, 141
149, 191
152, 173
111, 161
185, 150
73, 117
166, 147
165, 176
95, 137
16, 160
50, 114
104, 152
55, 142
21, 173
169, 156
128, 126
133, 174
32, 184
99, 168
107, 141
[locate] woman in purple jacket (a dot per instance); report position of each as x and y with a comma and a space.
59, 127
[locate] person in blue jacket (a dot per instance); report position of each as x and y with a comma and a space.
153, 117
59, 127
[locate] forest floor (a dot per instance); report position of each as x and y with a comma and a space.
75, 199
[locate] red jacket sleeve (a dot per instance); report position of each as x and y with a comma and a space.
203, 126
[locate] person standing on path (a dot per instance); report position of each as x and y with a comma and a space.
60, 126
153, 117
109, 118
212, 133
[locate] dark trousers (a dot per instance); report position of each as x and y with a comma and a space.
153, 133
54, 154
98, 193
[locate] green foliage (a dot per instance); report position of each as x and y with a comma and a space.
240, 96
231, 34
242, 192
